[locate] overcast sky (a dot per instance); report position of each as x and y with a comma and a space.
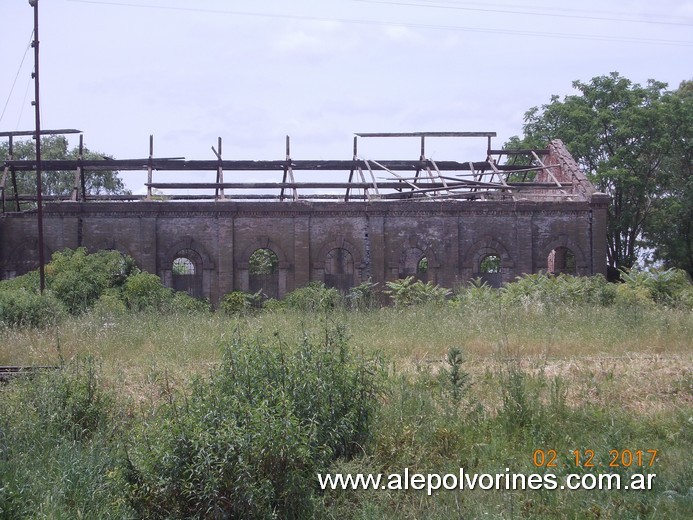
189, 71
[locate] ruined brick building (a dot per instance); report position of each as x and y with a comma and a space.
444, 222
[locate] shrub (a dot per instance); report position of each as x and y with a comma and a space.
110, 304
78, 278
29, 282
669, 287
363, 296
144, 292
313, 297
477, 293
236, 302
184, 303
410, 291
248, 442
633, 297
545, 289
459, 380
22, 308
273, 305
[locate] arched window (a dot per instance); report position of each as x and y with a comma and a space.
187, 272
490, 264
263, 262
263, 272
413, 262
339, 269
561, 260
183, 266
489, 269
422, 266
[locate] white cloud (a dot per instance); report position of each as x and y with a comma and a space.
299, 41
399, 33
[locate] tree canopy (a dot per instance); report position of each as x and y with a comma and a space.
634, 142
59, 182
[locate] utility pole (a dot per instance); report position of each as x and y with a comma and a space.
37, 136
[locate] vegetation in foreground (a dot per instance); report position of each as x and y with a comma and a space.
172, 411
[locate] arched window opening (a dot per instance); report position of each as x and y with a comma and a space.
422, 266
489, 269
413, 262
422, 269
183, 266
263, 272
263, 262
490, 264
561, 260
339, 269
187, 272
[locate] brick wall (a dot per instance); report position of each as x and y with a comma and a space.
380, 237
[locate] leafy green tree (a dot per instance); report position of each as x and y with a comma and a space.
626, 137
61, 183
670, 230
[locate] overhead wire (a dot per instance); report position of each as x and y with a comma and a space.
395, 24
21, 111
533, 12
19, 70
562, 8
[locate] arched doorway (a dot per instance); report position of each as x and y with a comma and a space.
561, 261
263, 272
339, 269
490, 270
413, 262
187, 272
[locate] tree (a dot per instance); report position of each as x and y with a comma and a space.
59, 183
670, 230
626, 137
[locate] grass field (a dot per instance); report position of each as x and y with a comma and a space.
531, 377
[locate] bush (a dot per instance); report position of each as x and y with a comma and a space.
248, 442
313, 297
239, 302
562, 290
477, 294
110, 304
144, 292
363, 296
22, 308
410, 291
273, 305
29, 282
184, 303
459, 380
78, 278
669, 287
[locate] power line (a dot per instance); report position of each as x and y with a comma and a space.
396, 24
534, 13
561, 9
19, 70
26, 95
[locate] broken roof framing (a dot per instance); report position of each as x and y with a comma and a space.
546, 174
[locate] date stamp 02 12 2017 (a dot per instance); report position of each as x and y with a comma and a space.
587, 458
